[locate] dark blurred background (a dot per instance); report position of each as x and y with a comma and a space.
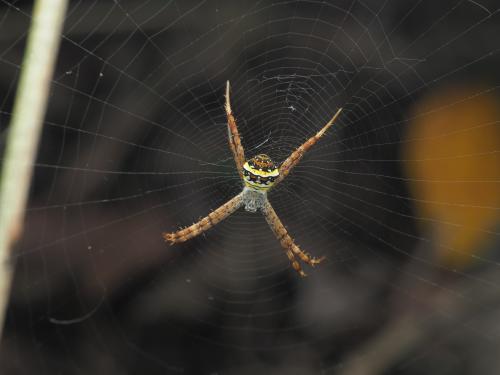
402, 195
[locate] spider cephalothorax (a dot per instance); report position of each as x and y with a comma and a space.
259, 174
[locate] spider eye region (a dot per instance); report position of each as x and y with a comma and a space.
260, 173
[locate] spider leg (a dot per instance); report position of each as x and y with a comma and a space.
234, 135
286, 241
206, 223
295, 156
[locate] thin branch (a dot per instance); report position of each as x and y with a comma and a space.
24, 131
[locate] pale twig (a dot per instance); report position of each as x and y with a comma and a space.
24, 131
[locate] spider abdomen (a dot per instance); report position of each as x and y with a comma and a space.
259, 173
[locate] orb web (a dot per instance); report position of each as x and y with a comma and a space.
135, 144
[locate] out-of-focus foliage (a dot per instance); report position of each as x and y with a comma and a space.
451, 155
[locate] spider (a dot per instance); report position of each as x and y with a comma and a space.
258, 174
